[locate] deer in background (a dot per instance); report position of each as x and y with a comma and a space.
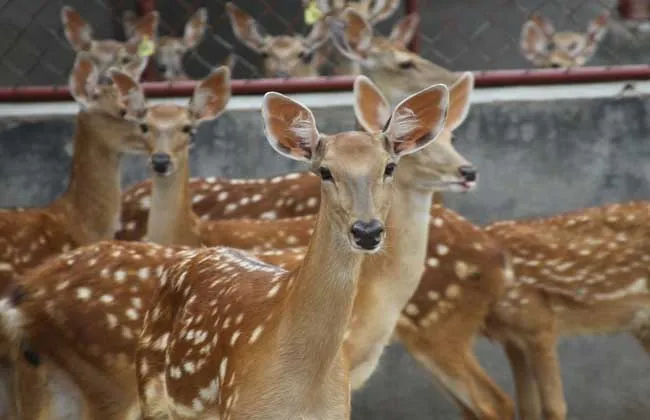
544, 47
89, 209
282, 55
137, 268
170, 50
110, 53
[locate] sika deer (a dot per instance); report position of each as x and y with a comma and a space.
296, 194
282, 55
110, 53
578, 273
170, 50
544, 47
102, 366
89, 210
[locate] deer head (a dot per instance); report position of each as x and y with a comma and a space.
386, 60
283, 55
544, 47
374, 11
167, 130
439, 166
127, 56
102, 103
351, 170
170, 50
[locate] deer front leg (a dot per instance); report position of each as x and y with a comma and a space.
546, 369
525, 385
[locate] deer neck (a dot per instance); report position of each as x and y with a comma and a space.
322, 297
171, 218
388, 279
92, 200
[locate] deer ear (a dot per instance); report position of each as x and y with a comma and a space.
290, 127
404, 30
130, 94
84, 79
128, 23
459, 100
245, 28
211, 95
535, 36
418, 120
318, 35
352, 34
382, 10
195, 28
77, 31
595, 32
371, 107
146, 27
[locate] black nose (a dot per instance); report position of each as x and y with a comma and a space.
556, 66
162, 68
367, 234
160, 162
468, 172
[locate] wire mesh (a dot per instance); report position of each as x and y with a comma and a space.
483, 36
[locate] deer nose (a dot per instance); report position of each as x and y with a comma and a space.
556, 66
161, 163
367, 234
162, 67
468, 173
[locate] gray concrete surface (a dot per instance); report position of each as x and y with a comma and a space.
458, 35
534, 159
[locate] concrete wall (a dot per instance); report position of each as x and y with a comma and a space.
534, 159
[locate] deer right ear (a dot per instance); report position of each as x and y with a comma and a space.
195, 28
77, 31
418, 120
460, 100
371, 107
290, 127
130, 94
535, 37
245, 28
84, 79
352, 34
404, 30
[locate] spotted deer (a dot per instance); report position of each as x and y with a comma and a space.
108, 53
170, 50
118, 278
89, 209
544, 47
296, 194
282, 55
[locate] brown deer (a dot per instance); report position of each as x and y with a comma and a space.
170, 50
103, 371
282, 55
89, 209
296, 194
110, 53
544, 47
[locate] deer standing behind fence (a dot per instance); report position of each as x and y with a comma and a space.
544, 47
129, 56
170, 50
135, 269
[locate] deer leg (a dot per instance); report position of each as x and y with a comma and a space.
525, 385
456, 369
546, 368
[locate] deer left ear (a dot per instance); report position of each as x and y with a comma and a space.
404, 30
211, 95
130, 94
195, 28
418, 120
534, 39
371, 107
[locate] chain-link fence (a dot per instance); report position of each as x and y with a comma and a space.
483, 36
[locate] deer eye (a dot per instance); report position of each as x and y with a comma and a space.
264, 55
122, 113
306, 56
390, 168
325, 174
405, 65
126, 60
144, 128
188, 129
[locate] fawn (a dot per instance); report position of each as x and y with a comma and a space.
282, 55
89, 210
110, 53
136, 268
544, 47
170, 50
